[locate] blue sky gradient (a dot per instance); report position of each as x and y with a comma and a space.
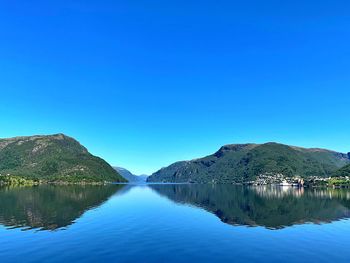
146, 83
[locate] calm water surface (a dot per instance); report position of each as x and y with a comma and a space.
173, 223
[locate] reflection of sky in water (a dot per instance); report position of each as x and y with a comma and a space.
167, 224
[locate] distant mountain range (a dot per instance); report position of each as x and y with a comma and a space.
53, 158
132, 178
59, 158
239, 163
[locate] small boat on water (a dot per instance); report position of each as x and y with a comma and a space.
285, 183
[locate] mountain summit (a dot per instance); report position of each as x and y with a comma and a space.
240, 163
53, 158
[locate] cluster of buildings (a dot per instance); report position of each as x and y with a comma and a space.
297, 181
278, 179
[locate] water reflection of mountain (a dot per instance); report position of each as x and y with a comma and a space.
49, 207
269, 207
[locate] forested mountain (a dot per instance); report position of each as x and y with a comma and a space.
239, 163
53, 158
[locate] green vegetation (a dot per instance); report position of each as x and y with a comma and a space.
55, 158
270, 207
339, 182
49, 206
16, 180
343, 172
242, 163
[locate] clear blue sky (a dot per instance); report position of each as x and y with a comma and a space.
146, 83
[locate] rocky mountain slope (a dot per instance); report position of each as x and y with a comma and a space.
53, 158
240, 163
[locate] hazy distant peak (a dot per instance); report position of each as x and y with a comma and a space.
130, 176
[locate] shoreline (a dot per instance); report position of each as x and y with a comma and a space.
14, 180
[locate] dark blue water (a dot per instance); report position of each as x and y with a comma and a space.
173, 223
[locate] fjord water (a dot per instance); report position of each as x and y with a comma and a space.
173, 223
